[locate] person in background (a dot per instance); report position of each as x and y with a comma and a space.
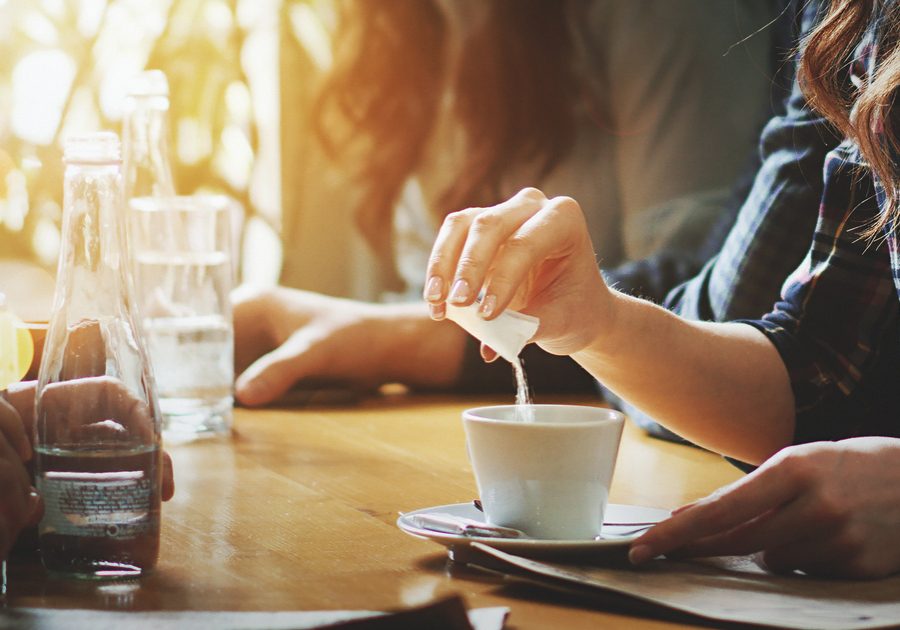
805, 392
747, 266
433, 105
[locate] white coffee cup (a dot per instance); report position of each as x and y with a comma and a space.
549, 478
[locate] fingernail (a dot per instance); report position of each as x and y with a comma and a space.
433, 289
487, 306
437, 311
639, 554
460, 291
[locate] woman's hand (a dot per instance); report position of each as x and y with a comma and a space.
529, 253
19, 503
87, 398
826, 508
285, 336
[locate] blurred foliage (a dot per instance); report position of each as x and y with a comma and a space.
64, 65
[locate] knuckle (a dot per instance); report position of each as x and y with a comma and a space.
468, 264
520, 245
437, 260
530, 193
567, 207
832, 511
501, 284
486, 222
716, 508
458, 219
850, 544
797, 467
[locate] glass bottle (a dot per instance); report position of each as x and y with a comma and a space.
144, 137
97, 452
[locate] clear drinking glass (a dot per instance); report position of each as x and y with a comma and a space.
182, 253
97, 449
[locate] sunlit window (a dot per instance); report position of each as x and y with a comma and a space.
64, 65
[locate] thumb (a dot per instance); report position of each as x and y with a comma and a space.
270, 376
168, 477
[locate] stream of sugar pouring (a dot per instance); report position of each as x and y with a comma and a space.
524, 409
507, 334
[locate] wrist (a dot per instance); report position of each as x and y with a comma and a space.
605, 340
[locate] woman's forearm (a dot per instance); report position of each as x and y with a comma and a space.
722, 386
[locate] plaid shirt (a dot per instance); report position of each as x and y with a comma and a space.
835, 321
837, 324
744, 279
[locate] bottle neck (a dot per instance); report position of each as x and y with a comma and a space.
93, 280
147, 171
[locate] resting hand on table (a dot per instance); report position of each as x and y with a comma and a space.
529, 253
286, 336
19, 504
826, 508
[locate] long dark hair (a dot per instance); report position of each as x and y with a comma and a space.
866, 113
514, 93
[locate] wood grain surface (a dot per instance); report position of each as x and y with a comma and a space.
297, 511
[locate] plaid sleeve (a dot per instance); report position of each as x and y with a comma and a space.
763, 247
837, 308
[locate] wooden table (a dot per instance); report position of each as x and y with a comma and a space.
297, 512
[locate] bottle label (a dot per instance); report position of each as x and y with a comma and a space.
114, 505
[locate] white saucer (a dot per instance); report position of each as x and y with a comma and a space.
617, 536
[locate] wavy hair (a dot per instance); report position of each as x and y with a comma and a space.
513, 88
865, 113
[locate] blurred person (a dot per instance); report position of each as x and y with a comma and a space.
434, 105
805, 392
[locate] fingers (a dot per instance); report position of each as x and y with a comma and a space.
776, 528
13, 430
447, 247
168, 477
270, 376
100, 406
467, 243
547, 235
741, 502
489, 232
21, 396
12, 468
15, 487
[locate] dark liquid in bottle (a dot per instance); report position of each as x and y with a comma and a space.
102, 510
